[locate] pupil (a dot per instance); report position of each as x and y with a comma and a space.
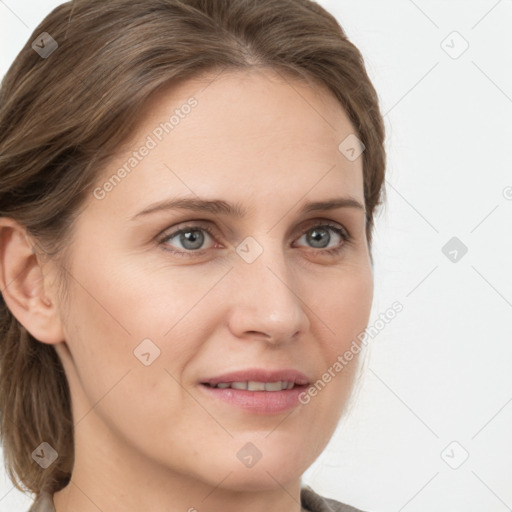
319, 233
193, 236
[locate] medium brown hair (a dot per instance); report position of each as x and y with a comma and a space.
63, 116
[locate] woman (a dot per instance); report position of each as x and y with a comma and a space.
187, 199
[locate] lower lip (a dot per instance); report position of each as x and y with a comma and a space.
260, 402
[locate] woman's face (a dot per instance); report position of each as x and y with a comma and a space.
154, 314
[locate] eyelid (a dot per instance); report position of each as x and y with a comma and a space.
325, 222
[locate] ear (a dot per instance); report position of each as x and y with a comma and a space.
22, 284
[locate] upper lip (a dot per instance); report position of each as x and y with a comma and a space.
260, 375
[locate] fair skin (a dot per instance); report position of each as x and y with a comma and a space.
150, 437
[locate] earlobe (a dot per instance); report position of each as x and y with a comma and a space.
23, 285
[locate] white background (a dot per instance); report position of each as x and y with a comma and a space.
440, 374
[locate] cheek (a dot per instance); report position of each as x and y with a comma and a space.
123, 315
342, 311
342, 306
105, 325
129, 301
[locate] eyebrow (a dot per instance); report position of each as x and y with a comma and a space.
219, 206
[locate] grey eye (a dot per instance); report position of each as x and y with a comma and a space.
319, 236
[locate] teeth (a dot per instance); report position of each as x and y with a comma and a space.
257, 386
274, 386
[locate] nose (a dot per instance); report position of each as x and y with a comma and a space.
266, 301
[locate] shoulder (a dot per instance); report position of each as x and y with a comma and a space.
43, 503
314, 503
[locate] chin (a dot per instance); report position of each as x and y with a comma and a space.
260, 478
263, 464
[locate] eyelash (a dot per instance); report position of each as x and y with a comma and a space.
343, 233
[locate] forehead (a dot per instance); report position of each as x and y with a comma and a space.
238, 133
251, 105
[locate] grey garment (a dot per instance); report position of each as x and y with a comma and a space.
315, 503
310, 500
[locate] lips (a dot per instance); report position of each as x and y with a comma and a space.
258, 391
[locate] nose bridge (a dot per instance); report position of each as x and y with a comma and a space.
267, 300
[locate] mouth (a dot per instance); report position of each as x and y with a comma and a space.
258, 391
